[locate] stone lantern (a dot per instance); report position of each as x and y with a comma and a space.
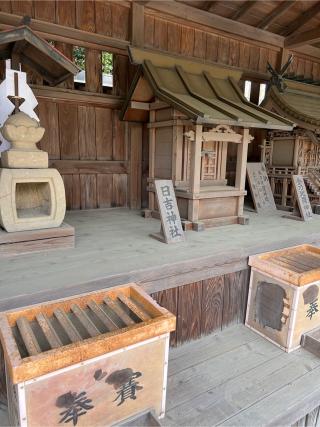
31, 195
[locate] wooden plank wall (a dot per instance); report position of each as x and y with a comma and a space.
99, 157
206, 306
88, 145
177, 38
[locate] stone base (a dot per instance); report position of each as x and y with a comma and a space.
31, 199
18, 159
22, 242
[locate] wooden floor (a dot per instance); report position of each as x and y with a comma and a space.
114, 246
237, 378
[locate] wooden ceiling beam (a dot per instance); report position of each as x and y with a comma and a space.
275, 14
301, 39
245, 8
301, 20
226, 25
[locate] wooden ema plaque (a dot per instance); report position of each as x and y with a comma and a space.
283, 301
171, 227
302, 198
260, 188
91, 360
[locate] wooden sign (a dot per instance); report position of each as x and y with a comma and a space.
260, 188
171, 227
302, 198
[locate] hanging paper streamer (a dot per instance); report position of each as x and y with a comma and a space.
8, 89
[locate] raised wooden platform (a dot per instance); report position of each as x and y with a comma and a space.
113, 247
22, 242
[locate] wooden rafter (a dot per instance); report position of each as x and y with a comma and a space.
206, 5
212, 5
275, 14
302, 20
248, 5
300, 39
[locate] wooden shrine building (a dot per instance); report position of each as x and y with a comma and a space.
296, 152
169, 90
199, 123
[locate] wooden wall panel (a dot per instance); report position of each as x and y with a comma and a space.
174, 37
23, 7
212, 304
119, 190
79, 135
118, 137
104, 133
88, 191
104, 190
120, 21
160, 34
68, 127
199, 44
85, 15
66, 13
104, 18
5, 6
169, 300
48, 114
187, 41
189, 312
87, 133
44, 10
149, 31
206, 306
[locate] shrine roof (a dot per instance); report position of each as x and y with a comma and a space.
205, 93
36, 53
299, 102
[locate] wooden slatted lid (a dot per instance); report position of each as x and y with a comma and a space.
299, 265
44, 338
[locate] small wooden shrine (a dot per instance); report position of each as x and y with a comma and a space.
199, 123
295, 152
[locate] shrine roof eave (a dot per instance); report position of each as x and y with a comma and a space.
36, 53
207, 95
296, 104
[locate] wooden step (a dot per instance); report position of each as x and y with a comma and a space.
311, 341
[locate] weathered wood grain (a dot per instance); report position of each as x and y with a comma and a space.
212, 304
169, 300
189, 312
68, 127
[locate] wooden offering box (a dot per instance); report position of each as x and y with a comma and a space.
283, 300
95, 359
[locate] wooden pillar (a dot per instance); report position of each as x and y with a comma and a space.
223, 162
93, 71
177, 148
152, 150
296, 152
195, 163
137, 24
66, 50
242, 153
135, 165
